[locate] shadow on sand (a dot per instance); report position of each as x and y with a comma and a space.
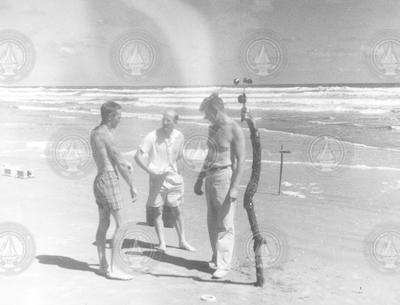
65, 262
150, 251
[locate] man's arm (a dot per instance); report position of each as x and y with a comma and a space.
139, 158
123, 165
239, 155
143, 149
199, 182
180, 156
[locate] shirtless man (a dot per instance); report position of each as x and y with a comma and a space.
163, 147
106, 185
222, 169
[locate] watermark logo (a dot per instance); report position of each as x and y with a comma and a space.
69, 153
327, 154
134, 56
384, 55
17, 56
382, 247
17, 248
135, 249
197, 149
263, 55
274, 250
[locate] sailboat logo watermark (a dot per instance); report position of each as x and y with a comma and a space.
136, 250
383, 55
198, 149
383, 248
17, 248
263, 56
134, 56
327, 154
17, 56
69, 153
274, 250
386, 57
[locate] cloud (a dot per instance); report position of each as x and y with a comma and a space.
327, 54
67, 51
264, 5
68, 48
33, 11
4, 6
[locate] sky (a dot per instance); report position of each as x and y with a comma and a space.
199, 43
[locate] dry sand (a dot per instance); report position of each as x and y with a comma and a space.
323, 221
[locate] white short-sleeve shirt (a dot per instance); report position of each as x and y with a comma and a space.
163, 152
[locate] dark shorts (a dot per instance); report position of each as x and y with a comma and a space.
107, 190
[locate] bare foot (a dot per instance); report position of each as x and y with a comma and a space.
185, 246
212, 265
161, 248
118, 276
220, 274
103, 269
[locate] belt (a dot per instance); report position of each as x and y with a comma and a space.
218, 168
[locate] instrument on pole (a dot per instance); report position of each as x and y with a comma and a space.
252, 186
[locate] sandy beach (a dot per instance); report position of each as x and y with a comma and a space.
321, 221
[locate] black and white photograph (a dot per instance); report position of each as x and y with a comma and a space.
184, 152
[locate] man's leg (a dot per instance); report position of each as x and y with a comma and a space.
226, 234
210, 195
155, 201
225, 224
159, 226
118, 217
179, 226
104, 223
114, 272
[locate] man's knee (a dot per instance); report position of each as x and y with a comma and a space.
176, 211
104, 224
226, 231
118, 217
157, 211
225, 225
104, 218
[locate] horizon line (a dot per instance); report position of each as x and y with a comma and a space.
227, 86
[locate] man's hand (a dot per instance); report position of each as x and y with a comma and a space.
133, 193
128, 165
198, 187
233, 193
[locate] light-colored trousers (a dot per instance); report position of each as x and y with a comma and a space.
220, 217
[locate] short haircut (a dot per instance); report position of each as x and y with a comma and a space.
107, 109
213, 101
175, 115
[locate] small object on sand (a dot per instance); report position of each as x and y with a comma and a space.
16, 172
208, 298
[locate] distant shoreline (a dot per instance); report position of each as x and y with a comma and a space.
354, 85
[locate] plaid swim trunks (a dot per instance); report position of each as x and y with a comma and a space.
107, 190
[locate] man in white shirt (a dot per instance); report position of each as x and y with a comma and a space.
163, 148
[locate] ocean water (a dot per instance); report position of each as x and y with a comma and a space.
363, 115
